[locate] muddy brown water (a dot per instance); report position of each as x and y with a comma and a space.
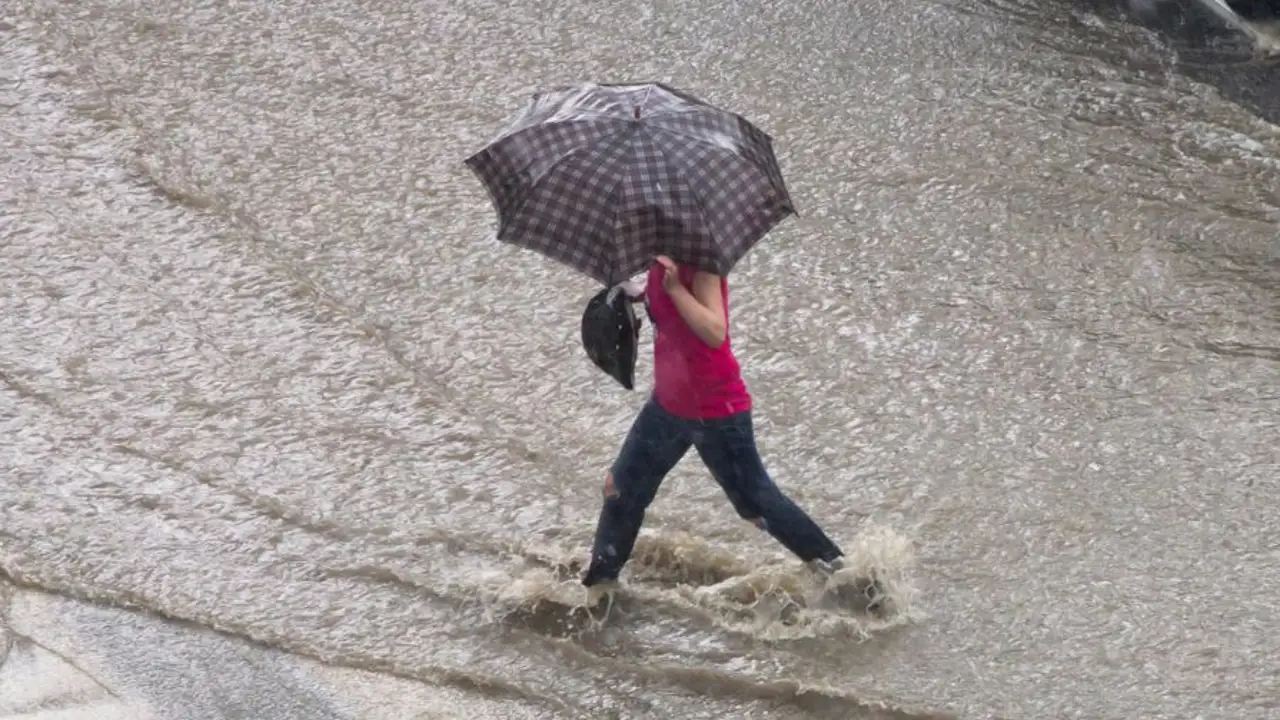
264, 370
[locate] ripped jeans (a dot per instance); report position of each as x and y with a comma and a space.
657, 441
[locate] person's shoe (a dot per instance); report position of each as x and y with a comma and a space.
600, 598
826, 568
860, 595
604, 589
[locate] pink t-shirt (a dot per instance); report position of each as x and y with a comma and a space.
691, 379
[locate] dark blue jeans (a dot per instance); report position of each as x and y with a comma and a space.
727, 446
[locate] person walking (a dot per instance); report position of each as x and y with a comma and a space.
699, 400
604, 177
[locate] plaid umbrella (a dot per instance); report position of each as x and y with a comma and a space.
604, 177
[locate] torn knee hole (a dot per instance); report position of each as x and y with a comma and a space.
610, 491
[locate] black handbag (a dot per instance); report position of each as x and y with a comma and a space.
611, 334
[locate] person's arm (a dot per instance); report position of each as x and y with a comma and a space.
702, 309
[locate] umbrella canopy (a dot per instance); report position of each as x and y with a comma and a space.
604, 177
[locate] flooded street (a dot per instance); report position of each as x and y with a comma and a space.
264, 369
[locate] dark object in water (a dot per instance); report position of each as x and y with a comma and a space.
1232, 45
1256, 10
611, 334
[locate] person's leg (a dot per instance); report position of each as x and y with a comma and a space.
728, 448
656, 442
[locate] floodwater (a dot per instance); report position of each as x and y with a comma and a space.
264, 370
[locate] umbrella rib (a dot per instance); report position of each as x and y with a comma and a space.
613, 193
533, 184
614, 138
760, 164
553, 165
700, 140
697, 200
585, 116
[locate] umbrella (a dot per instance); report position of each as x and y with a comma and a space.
604, 177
